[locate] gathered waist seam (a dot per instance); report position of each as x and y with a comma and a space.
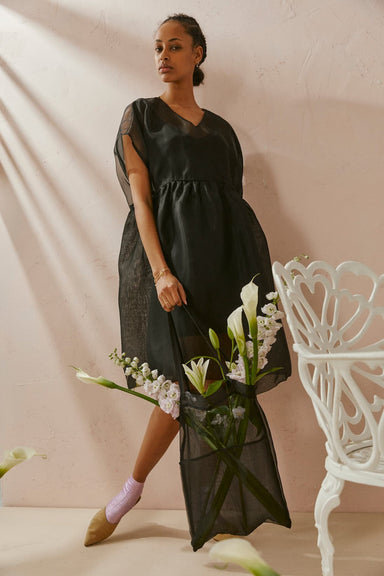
172, 180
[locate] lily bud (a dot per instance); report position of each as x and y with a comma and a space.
214, 339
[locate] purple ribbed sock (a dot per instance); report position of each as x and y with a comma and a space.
124, 500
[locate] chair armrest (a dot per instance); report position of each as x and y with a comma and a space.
355, 356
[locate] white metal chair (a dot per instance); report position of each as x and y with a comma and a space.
336, 316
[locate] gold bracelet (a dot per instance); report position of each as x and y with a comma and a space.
158, 275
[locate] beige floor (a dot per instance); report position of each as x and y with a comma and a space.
48, 542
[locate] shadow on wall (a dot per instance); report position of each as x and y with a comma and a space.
106, 42
48, 257
25, 209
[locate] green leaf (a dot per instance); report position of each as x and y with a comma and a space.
261, 374
213, 387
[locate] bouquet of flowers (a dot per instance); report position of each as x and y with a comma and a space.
228, 465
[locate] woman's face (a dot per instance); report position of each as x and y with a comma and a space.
175, 56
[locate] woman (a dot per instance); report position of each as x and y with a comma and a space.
189, 239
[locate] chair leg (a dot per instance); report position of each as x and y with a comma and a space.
327, 499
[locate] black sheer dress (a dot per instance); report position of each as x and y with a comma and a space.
214, 245
210, 236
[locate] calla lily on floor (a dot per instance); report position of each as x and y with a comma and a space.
17, 456
241, 552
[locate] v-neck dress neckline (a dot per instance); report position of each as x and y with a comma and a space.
182, 117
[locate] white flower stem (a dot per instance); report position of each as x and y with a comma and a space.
246, 367
134, 393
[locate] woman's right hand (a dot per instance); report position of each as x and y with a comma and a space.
170, 292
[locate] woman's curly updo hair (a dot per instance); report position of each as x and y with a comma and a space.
192, 28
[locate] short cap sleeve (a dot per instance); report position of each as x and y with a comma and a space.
131, 124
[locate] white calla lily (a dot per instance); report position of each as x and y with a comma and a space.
197, 374
84, 377
17, 456
250, 297
235, 326
241, 552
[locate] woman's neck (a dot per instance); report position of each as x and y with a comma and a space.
178, 95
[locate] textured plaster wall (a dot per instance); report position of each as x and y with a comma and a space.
302, 83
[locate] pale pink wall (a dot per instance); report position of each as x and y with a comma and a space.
302, 83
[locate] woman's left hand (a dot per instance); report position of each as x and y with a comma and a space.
170, 292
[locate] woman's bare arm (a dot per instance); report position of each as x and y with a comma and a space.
169, 290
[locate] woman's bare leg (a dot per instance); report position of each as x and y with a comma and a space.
160, 432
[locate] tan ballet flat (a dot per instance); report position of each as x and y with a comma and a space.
220, 537
99, 529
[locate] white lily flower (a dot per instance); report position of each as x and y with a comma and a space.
269, 309
140, 380
197, 373
174, 392
166, 404
278, 315
145, 370
237, 371
241, 552
235, 325
238, 412
148, 385
175, 410
156, 385
272, 296
166, 385
250, 297
219, 420
17, 456
163, 395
